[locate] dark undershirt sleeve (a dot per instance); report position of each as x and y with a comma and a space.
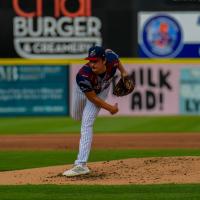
84, 83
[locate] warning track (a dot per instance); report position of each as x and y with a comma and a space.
101, 141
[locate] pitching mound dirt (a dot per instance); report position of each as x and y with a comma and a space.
128, 171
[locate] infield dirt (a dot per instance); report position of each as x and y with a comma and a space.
101, 141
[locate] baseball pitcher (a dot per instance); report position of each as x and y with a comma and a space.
91, 89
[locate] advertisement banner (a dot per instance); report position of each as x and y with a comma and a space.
34, 90
156, 92
190, 91
65, 28
52, 28
169, 34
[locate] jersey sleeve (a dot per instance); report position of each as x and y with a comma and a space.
84, 83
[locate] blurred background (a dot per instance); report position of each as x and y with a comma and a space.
42, 46
43, 43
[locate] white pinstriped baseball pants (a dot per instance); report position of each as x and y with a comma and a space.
86, 111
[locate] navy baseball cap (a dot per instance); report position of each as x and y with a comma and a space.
95, 52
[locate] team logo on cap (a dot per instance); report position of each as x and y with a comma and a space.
162, 37
93, 53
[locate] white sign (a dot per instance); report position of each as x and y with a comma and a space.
169, 34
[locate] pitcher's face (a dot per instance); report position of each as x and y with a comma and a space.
98, 66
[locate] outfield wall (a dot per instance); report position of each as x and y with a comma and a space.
68, 28
34, 90
44, 87
162, 88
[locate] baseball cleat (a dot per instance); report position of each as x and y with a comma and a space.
77, 170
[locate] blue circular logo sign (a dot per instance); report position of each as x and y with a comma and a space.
162, 37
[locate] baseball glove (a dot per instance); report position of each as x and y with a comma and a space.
124, 86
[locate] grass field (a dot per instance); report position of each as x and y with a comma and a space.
46, 125
12, 160
130, 192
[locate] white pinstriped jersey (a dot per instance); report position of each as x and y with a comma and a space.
82, 108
